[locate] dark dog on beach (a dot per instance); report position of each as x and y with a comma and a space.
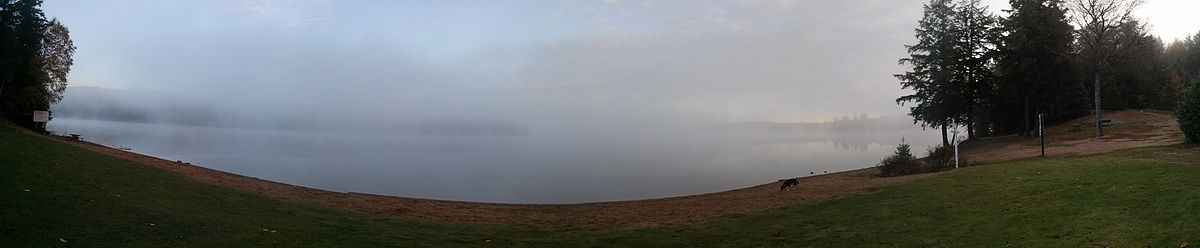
788, 184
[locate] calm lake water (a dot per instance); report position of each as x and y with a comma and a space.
532, 168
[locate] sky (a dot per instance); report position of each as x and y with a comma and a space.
557, 63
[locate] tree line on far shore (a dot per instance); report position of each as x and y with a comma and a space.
35, 56
993, 74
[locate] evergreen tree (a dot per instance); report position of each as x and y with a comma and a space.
950, 65
975, 49
1136, 77
35, 57
1188, 114
932, 61
21, 23
1035, 67
1189, 62
904, 151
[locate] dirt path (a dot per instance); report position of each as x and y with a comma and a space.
666, 211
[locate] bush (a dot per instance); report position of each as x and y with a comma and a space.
901, 163
19, 107
942, 158
1188, 114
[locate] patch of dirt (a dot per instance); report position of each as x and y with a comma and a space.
1130, 129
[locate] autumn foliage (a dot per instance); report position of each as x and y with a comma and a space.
36, 55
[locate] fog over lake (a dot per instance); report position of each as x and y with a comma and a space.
514, 101
530, 167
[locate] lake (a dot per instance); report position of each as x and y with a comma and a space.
538, 167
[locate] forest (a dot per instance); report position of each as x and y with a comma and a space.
35, 56
1064, 59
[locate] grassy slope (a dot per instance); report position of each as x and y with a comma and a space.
73, 195
1126, 198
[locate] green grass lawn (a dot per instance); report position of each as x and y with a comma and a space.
1140, 197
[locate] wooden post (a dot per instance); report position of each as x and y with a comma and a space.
1042, 133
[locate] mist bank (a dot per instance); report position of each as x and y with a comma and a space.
516, 149
845, 132
472, 113
494, 114
92, 103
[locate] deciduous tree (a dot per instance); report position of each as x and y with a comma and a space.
1100, 41
54, 60
35, 57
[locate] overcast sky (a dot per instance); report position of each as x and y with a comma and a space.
702, 61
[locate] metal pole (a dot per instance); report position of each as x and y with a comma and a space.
955, 140
1099, 127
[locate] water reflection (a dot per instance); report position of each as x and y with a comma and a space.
534, 168
850, 145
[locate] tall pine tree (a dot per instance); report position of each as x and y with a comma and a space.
949, 65
975, 49
1035, 64
932, 60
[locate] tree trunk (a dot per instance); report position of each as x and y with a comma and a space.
1099, 127
971, 129
1025, 117
2, 83
945, 142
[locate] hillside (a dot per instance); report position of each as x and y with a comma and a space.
1129, 129
135, 106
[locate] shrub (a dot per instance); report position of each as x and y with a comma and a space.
942, 158
900, 163
19, 107
1188, 114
